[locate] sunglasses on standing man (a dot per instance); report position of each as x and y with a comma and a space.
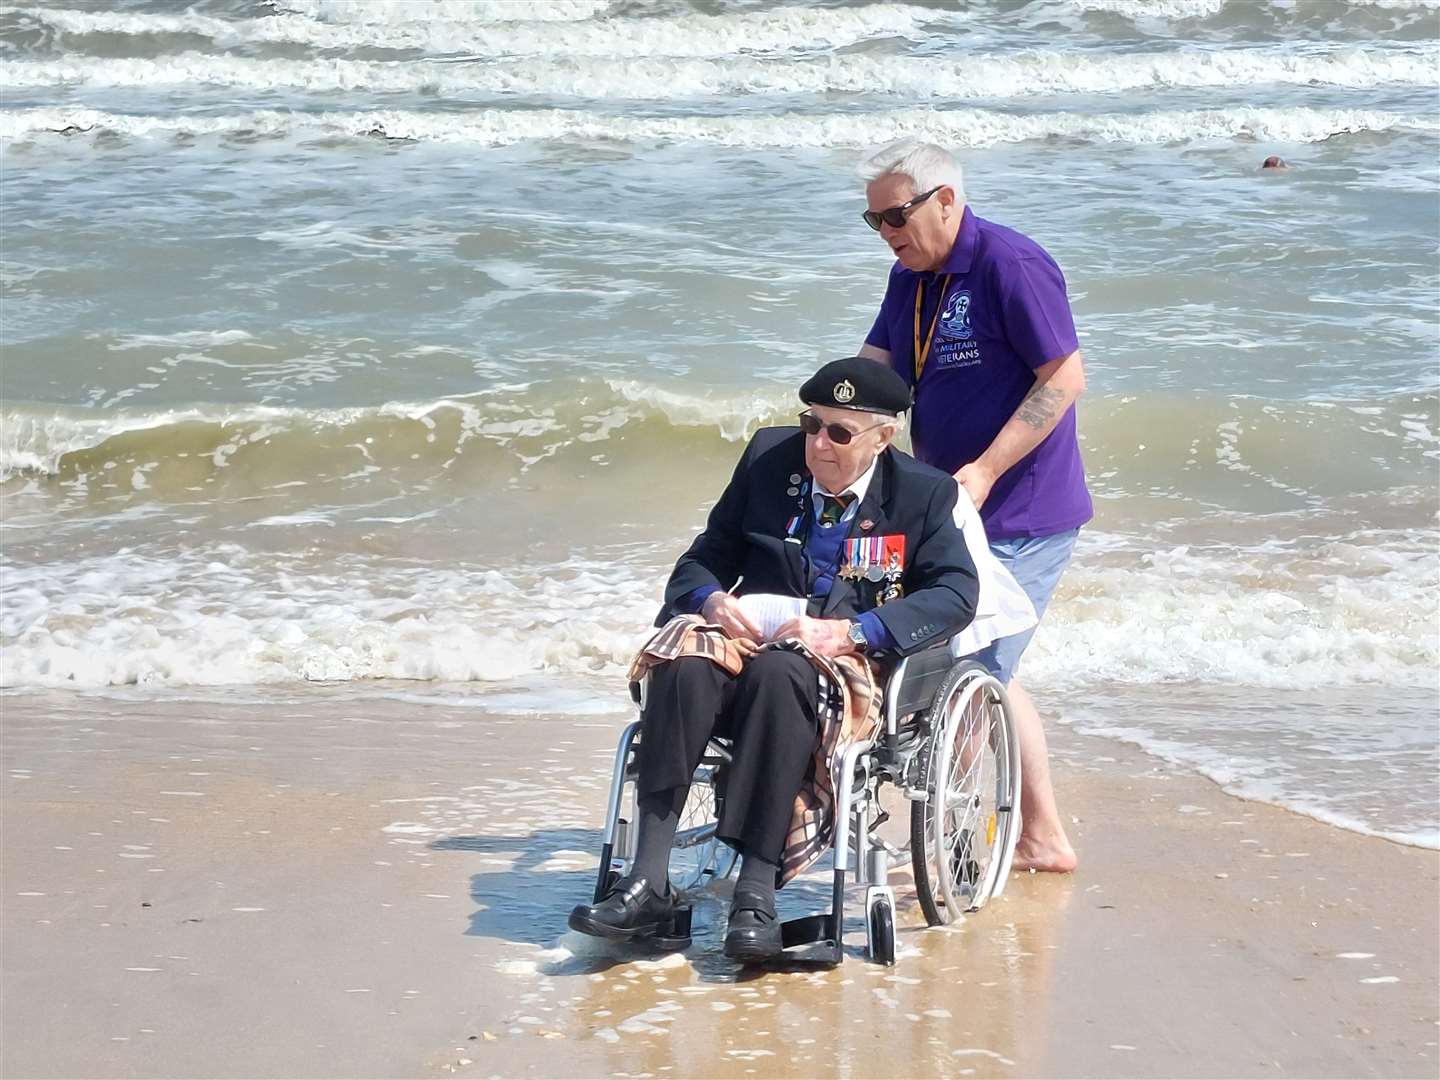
894, 216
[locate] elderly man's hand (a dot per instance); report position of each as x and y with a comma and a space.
827, 637
723, 610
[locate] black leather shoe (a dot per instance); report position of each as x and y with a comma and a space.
629, 911
754, 932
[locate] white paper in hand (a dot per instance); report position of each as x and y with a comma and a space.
770, 611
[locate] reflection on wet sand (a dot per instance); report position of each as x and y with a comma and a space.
961, 1000
958, 1002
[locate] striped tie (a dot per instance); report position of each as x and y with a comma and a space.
834, 508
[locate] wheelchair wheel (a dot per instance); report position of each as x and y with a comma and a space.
963, 835
697, 857
881, 932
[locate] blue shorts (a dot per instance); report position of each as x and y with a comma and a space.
1036, 563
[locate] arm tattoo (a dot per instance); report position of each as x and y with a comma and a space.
1041, 405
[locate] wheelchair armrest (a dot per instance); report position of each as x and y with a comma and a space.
913, 683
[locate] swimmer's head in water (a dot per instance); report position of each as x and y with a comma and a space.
1274, 162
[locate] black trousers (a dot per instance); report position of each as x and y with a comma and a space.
769, 710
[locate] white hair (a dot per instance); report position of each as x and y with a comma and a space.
925, 164
897, 422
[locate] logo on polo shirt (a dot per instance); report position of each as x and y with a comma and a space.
955, 319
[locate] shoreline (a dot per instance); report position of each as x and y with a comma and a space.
376, 888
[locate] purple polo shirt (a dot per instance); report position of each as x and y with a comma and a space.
1005, 313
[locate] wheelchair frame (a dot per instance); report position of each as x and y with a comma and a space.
903, 753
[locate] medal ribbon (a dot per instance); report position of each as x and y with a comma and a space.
921, 355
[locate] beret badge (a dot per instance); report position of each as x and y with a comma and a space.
844, 391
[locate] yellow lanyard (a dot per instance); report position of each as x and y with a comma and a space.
921, 354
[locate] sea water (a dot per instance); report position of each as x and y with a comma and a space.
401, 347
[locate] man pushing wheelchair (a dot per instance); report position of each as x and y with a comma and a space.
828, 554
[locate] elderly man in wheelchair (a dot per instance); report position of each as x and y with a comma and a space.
831, 563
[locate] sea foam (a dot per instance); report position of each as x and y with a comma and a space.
405, 12
693, 35
1009, 76
228, 614
957, 127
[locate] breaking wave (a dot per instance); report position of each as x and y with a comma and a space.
405, 12
694, 35
46, 442
1028, 74
959, 127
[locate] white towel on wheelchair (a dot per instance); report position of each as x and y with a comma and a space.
1003, 608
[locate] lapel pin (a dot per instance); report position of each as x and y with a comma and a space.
866, 525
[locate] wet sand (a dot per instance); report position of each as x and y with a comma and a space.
345, 888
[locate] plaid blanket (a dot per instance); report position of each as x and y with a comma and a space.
849, 712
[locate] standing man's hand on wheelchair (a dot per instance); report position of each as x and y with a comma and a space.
825, 637
723, 610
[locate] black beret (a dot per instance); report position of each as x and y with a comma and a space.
857, 383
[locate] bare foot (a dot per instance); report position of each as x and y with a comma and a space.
1044, 857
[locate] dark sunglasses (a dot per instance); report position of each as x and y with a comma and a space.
895, 215
839, 434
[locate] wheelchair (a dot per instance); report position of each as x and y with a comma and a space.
947, 743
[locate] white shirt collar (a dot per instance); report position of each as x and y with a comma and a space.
858, 488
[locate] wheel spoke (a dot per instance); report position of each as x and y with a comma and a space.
964, 839
966, 835
695, 852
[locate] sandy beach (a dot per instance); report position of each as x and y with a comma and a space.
345, 887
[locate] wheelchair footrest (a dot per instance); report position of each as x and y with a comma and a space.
676, 936
806, 930
811, 930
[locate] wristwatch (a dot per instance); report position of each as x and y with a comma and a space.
856, 634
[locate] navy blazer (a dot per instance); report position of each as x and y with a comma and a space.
743, 548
